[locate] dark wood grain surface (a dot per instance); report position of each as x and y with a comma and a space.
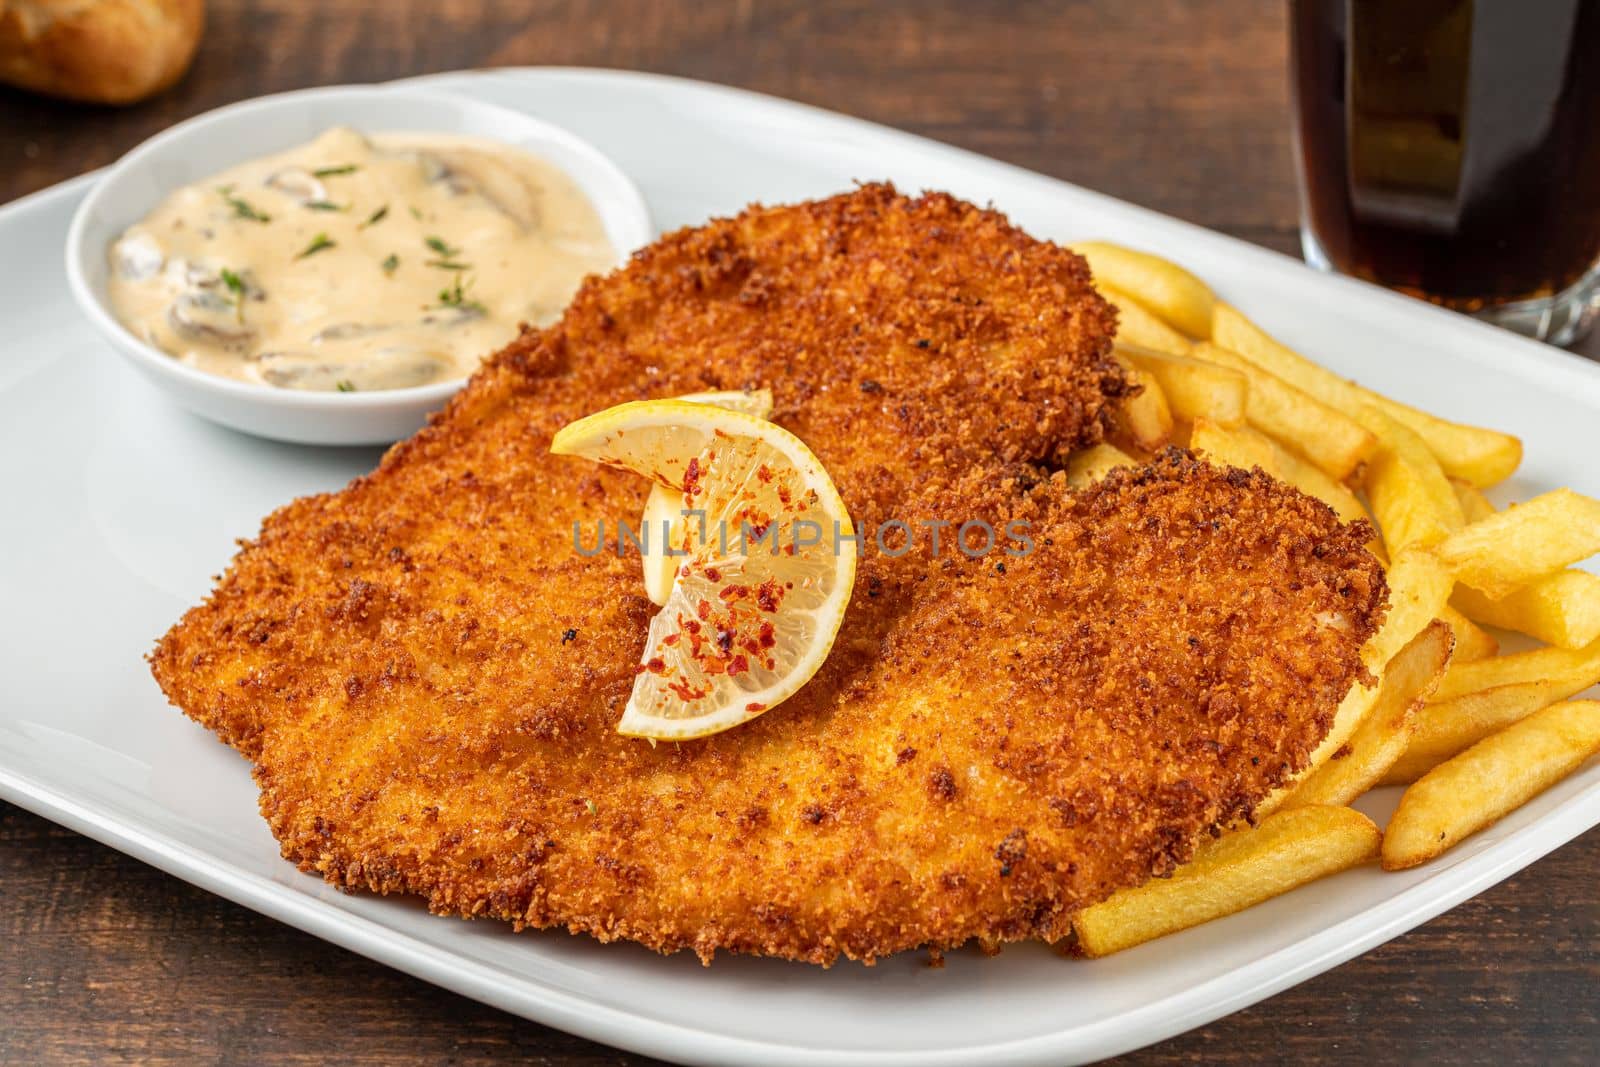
1176, 105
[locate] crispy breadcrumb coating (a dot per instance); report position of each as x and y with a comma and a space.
428, 675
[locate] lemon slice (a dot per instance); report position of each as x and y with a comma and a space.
760, 595
662, 522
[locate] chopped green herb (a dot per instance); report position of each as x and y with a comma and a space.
447, 264
415, 213
318, 243
390, 263
235, 286
438, 245
242, 209
456, 297
589, 804
333, 172
376, 217
326, 205
345, 385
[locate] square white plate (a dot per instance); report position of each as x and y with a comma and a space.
119, 508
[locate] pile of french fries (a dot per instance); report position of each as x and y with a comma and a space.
1472, 734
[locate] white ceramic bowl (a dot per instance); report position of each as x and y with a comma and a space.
219, 139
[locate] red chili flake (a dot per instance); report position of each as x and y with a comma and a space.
783, 494
685, 692
724, 639
769, 596
703, 609
738, 665
670, 640
714, 574
691, 477
768, 636
655, 665
734, 592
754, 707
764, 473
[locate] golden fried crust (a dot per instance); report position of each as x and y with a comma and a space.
428, 676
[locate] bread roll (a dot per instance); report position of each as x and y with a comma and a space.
99, 51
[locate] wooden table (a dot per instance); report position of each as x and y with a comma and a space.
1176, 105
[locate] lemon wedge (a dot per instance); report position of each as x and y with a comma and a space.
769, 563
662, 522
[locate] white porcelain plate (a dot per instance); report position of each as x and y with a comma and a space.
119, 507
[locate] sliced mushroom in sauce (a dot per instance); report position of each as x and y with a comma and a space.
209, 315
396, 367
299, 185
345, 331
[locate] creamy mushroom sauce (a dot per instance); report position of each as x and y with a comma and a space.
357, 262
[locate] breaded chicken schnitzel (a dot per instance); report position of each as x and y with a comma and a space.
428, 675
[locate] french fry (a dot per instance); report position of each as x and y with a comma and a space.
1488, 781
1561, 609
1234, 446
1230, 874
1474, 505
1419, 587
1089, 465
1444, 730
1411, 498
1535, 665
1479, 456
1381, 737
1511, 548
1138, 325
1144, 419
1481, 698
1332, 440
1472, 641
1180, 298
1194, 388
1243, 447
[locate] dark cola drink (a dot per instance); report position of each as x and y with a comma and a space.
1450, 149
